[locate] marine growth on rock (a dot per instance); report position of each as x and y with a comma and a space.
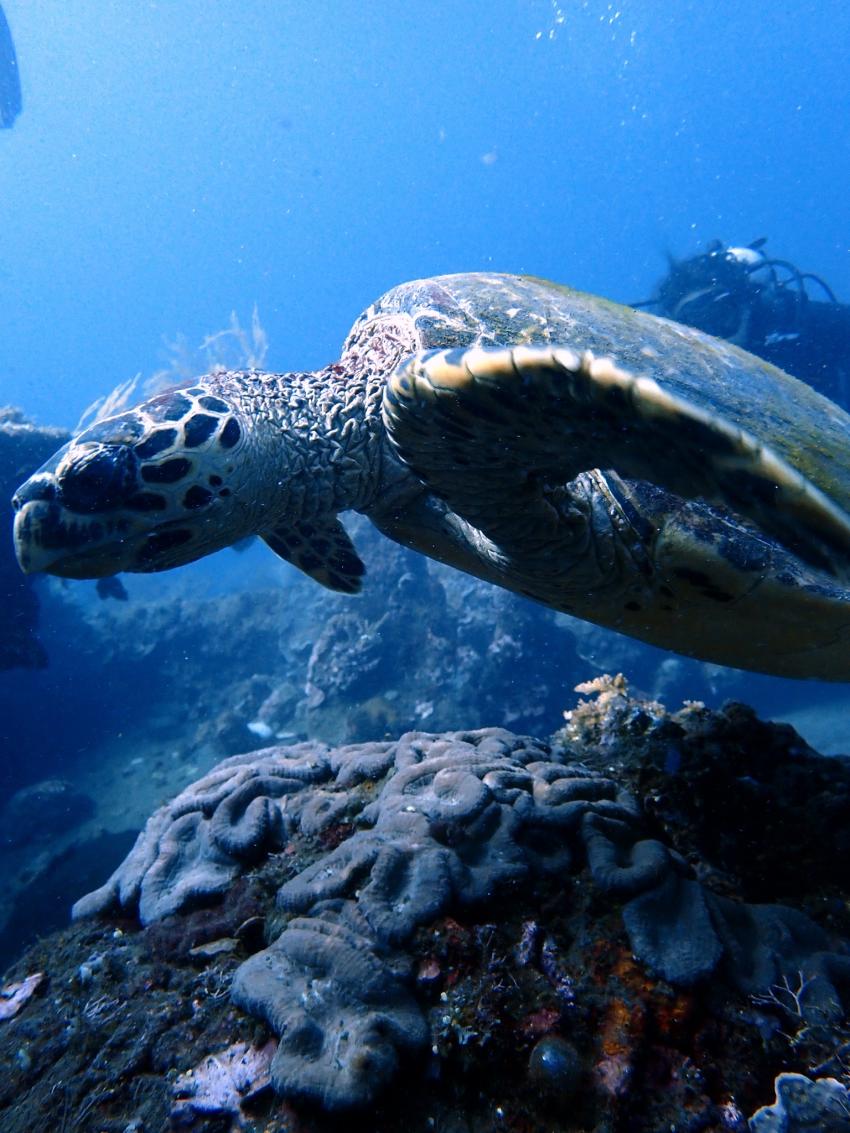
427, 826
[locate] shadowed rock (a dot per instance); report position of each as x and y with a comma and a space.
41, 810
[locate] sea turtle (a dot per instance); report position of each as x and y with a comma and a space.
610, 464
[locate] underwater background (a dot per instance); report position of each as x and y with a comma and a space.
194, 181
176, 161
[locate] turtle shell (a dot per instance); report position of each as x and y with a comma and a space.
622, 468
479, 309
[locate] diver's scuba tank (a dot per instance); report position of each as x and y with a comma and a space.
713, 291
764, 305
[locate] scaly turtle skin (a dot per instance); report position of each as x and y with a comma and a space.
607, 463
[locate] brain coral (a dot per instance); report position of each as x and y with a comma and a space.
437, 823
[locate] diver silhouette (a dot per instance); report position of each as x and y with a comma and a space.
10, 80
765, 305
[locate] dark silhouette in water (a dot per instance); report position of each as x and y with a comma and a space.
767, 306
10, 81
112, 587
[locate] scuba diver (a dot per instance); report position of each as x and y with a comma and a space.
765, 305
10, 81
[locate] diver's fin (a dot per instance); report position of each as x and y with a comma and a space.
322, 549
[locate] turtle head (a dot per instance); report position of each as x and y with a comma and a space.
145, 490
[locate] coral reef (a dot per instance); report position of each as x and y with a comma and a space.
13, 996
704, 774
455, 930
223, 1083
23, 448
434, 824
805, 1106
339, 1003
195, 846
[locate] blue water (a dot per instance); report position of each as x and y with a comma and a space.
175, 161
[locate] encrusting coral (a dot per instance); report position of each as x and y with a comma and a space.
805, 1106
193, 847
430, 825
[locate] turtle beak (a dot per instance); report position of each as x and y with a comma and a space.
48, 538
51, 537
37, 523
68, 519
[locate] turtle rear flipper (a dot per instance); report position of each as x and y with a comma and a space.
488, 430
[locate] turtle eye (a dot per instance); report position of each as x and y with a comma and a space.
98, 480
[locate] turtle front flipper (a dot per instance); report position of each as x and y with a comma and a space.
322, 549
490, 431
